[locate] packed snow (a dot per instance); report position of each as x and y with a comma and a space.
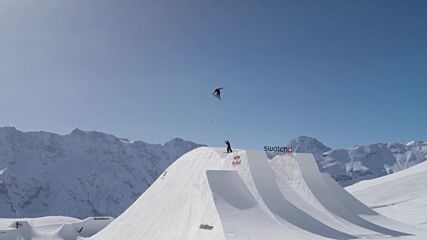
51, 228
401, 196
203, 195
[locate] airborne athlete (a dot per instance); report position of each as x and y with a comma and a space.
217, 93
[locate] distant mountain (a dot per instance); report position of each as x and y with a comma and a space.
81, 174
348, 166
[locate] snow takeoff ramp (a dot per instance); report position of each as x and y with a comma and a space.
203, 195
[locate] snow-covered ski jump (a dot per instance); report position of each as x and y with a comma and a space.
206, 196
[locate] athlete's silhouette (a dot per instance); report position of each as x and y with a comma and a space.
217, 93
228, 146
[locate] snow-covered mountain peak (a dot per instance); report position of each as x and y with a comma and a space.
177, 142
362, 162
305, 144
417, 144
80, 174
7, 131
77, 132
93, 135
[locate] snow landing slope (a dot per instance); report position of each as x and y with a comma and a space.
392, 195
203, 196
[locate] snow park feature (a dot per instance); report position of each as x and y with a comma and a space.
397, 193
51, 228
204, 196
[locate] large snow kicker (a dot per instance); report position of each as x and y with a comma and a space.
204, 196
323, 194
241, 216
280, 206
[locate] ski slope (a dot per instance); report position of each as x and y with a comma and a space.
204, 196
401, 192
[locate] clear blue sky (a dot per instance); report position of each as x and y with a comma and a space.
345, 72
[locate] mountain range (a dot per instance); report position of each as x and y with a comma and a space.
89, 173
81, 174
362, 162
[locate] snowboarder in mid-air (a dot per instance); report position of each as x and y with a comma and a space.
217, 93
228, 146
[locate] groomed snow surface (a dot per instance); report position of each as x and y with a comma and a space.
51, 228
401, 196
203, 196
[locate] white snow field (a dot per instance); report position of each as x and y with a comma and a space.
204, 196
401, 196
51, 228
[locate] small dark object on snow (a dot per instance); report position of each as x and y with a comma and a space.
18, 224
80, 230
206, 227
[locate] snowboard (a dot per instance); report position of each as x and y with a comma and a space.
216, 96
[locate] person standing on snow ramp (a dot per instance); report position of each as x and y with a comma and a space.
228, 146
217, 93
